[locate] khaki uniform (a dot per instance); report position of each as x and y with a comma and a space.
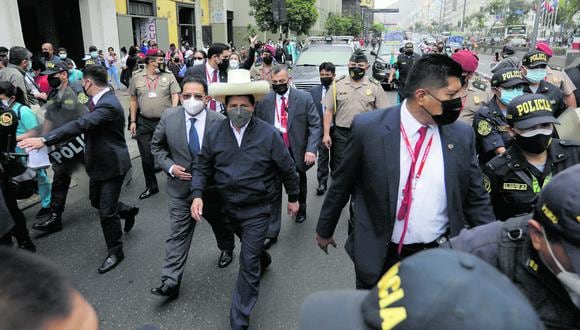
556, 76
153, 95
260, 72
478, 93
352, 100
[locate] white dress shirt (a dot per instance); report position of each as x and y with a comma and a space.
278, 111
209, 71
97, 97
324, 90
239, 135
199, 126
428, 218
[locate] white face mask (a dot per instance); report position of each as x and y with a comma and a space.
234, 64
570, 281
197, 62
193, 106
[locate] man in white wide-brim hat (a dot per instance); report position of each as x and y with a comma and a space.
244, 157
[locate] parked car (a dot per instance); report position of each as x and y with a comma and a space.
305, 71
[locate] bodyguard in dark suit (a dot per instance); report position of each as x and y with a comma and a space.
176, 143
293, 113
408, 195
106, 158
327, 74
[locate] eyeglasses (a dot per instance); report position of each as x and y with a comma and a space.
197, 97
198, 58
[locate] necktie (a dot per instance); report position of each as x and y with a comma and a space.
212, 102
407, 192
194, 147
284, 121
91, 105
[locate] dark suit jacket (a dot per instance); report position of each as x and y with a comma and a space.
370, 170
200, 71
106, 153
316, 93
304, 128
169, 147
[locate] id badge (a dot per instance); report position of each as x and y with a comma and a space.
152, 95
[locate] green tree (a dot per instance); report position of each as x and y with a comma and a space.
378, 28
566, 11
356, 25
302, 15
343, 25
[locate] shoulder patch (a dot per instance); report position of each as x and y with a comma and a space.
6, 119
486, 183
483, 128
83, 98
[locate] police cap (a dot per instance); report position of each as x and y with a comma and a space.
558, 210
529, 110
409, 45
52, 68
359, 56
508, 50
534, 59
507, 78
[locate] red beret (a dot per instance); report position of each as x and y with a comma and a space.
545, 48
155, 52
467, 59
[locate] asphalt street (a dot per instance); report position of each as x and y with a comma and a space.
122, 296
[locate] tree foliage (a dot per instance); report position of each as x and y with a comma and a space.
566, 11
302, 15
377, 29
343, 25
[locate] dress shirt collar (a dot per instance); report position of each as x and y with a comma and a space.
200, 117
286, 96
409, 122
210, 70
97, 97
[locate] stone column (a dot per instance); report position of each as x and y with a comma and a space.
10, 25
99, 24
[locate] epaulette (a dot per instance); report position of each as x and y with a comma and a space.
498, 161
374, 81
340, 78
554, 67
569, 143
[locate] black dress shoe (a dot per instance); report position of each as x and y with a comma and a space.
129, 217
225, 259
321, 190
148, 192
301, 217
43, 213
27, 245
111, 262
50, 225
269, 241
165, 290
265, 261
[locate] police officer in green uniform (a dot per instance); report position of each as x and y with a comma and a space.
533, 68
492, 136
404, 63
539, 252
66, 102
515, 177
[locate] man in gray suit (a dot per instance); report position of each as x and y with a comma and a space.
294, 114
176, 143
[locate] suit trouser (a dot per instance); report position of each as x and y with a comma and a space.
104, 196
275, 224
340, 137
145, 129
323, 163
19, 230
61, 181
181, 233
250, 224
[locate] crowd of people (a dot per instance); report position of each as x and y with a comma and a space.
461, 163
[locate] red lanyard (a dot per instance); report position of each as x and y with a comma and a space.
412, 154
209, 77
154, 84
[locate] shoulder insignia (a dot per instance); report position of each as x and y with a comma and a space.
163, 79
569, 143
340, 78
369, 92
476, 99
374, 81
6, 119
83, 98
554, 67
533, 265
486, 183
479, 85
515, 186
483, 128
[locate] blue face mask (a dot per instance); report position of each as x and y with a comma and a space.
536, 75
507, 95
94, 54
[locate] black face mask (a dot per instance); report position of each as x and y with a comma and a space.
176, 60
54, 82
267, 60
46, 54
440, 48
409, 52
224, 65
534, 144
280, 89
326, 81
451, 109
356, 73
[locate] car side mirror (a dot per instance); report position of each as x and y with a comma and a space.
373, 53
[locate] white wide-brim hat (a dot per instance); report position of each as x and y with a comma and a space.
239, 83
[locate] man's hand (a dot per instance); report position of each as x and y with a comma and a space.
323, 243
390, 79
197, 209
309, 158
253, 41
327, 141
133, 128
41, 96
31, 144
293, 208
180, 173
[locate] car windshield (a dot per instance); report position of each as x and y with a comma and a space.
388, 49
339, 55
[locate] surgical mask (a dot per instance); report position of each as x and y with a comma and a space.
326, 81
535, 141
451, 109
570, 281
197, 62
239, 116
54, 82
536, 75
6, 102
224, 65
193, 106
280, 89
507, 95
62, 56
234, 64
356, 73
94, 54
267, 60
29, 66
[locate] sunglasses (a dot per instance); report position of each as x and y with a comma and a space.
198, 58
